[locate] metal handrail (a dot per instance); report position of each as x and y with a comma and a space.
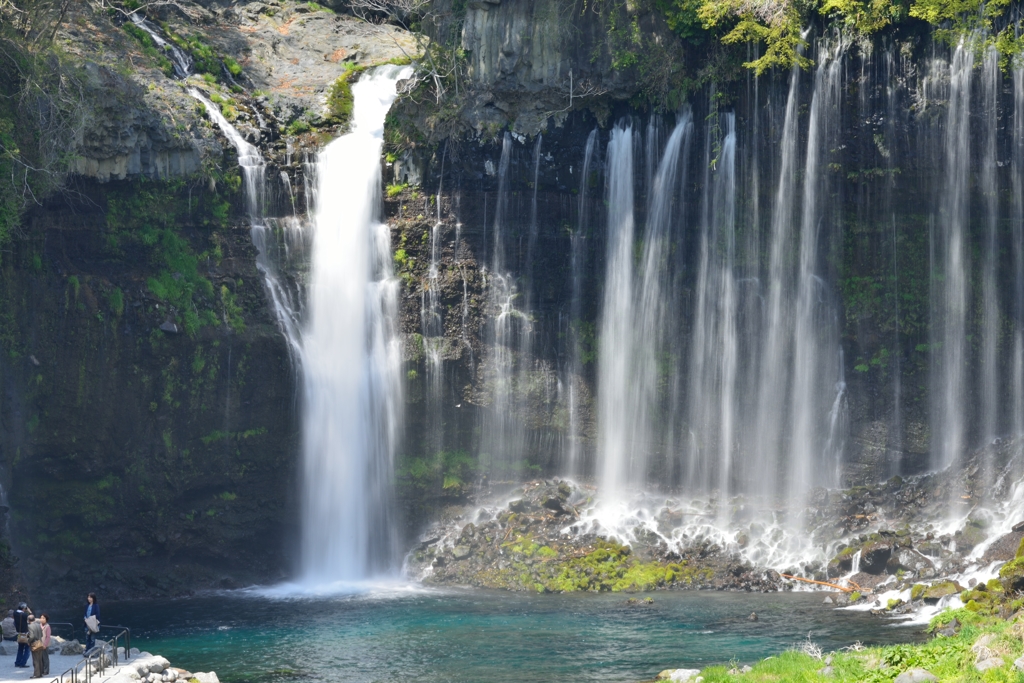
73, 671
127, 633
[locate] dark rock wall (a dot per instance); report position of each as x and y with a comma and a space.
137, 460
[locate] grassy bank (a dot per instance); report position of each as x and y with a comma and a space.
966, 647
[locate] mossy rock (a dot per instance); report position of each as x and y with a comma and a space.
917, 591
1012, 575
935, 592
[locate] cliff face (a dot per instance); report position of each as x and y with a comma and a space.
149, 409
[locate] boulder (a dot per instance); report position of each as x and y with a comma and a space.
679, 675
935, 592
1012, 575
908, 560
916, 676
461, 552
988, 663
210, 677
874, 556
72, 647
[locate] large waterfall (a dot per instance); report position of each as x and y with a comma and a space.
351, 355
347, 348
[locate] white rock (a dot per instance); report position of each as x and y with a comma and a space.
916, 676
141, 667
134, 652
674, 675
211, 677
983, 642
157, 665
990, 663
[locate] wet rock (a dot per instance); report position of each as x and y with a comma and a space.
752, 617
935, 592
907, 560
874, 556
828, 600
522, 505
1003, 548
916, 676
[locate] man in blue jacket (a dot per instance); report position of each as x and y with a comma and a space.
21, 626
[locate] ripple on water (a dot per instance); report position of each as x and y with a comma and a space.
392, 631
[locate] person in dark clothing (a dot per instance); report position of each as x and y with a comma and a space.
21, 626
92, 627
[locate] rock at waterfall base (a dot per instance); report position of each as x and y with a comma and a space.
678, 675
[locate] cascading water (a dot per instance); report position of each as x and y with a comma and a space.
283, 302
991, 316
949, 327
572, 465
180, 60
616, 428
504, 438
351, 355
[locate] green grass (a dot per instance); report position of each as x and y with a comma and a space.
948, 658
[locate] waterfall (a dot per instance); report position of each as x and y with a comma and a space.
714, 355
633, 334
617, 406
283, 303
432, 327
579, 241
814, 374
1017, 236
503, 438
180, 60
773, 382
352, 356
990, 402
950, 318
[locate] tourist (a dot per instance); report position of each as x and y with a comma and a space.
92, 621
7, 626
35, 643
44, 621
21, 628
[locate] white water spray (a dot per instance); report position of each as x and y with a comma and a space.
351, 355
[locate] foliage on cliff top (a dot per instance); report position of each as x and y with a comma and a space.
777, 25
41, 107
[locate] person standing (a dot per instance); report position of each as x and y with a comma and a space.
92, 621
44, 622
21, 628
7, 625
35, 644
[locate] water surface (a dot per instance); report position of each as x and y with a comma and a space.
429, 636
